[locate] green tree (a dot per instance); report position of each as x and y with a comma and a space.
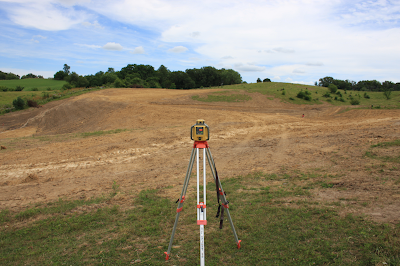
259, 80
266, 80
109, 77
324, 82
197, 75
82, 82
8, 76
211, 77
230, 76
153, 82
60, 75
387, 92
72, 78
118, 83
29, 76
182, 80
164, 76
66, 69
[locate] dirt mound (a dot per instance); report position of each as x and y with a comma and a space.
323, 152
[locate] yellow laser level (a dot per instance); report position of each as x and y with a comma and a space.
200, 131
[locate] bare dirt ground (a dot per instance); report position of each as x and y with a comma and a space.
47, 159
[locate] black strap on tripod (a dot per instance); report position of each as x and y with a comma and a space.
221, 220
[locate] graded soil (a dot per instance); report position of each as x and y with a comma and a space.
48, 156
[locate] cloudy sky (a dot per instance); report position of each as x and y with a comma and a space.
284, 40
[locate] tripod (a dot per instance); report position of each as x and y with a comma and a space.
201, 206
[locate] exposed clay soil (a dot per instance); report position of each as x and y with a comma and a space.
46, 159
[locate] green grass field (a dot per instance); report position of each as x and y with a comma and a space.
42, 85
304, 233
287, 92
29, 84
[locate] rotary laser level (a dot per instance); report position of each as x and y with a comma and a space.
200, 134
200, 131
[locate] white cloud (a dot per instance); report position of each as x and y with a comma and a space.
299, 71
91, 46
248, 67
280, 50
226, 57
44, 15
138, 50
112, 46
95, 24
314, 64
37, 37
178, 49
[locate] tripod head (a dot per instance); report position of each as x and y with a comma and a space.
200, 131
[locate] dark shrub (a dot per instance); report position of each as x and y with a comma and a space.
301, 95
306, 95
66, 86
333, 88
32, 103
19, 88
19, 103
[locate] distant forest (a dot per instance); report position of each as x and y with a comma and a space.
145, 76
364, 85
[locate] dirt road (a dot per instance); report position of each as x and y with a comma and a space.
47, 158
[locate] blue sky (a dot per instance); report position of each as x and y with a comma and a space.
286, 40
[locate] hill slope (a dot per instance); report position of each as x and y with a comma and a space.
140, 138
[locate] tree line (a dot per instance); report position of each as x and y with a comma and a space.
145, 76
9, 76
363, 85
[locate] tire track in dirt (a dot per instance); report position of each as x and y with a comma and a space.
39, 117
279, 153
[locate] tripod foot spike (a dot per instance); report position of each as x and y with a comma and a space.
167, 256
238, 244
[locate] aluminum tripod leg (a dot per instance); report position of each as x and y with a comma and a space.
181, 200
201, 206
221, 193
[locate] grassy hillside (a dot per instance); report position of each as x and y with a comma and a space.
287, 92
29, 84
